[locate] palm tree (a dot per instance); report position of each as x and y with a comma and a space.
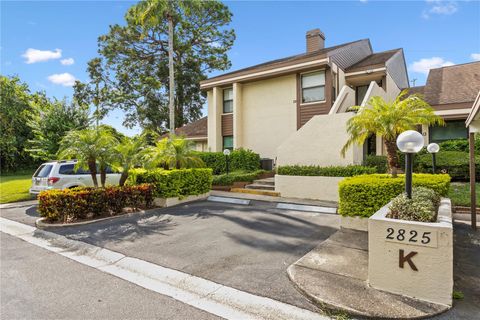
128, 154
172, 153
89, 146
388, 120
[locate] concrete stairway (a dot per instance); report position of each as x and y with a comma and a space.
264, 187
262, 184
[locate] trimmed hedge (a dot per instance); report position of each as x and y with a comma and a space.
364, 195
239, 159
332, 171
229, 179
174, 183
377, 162
460, 145
455, 163
69, 205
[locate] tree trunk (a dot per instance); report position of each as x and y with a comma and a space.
392, 157
92, 167
103, 175
171, 102
123, 178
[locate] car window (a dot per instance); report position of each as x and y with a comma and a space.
69, 169
43, 171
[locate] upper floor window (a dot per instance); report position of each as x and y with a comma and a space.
313, 87
228, 100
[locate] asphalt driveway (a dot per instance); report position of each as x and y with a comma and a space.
245, 247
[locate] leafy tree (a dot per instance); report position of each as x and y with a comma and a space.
172, 153
388, 120
128, 155
89, 146
97, 91
14, 132
136, 60
50, 121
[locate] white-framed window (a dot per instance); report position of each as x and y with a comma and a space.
313, 86
228, 100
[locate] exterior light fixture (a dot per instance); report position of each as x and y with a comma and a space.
226, 152
433, 148
409, 142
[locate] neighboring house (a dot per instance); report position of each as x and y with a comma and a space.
451, 91
294, 109
195, 131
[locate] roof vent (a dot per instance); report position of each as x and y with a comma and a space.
315, 40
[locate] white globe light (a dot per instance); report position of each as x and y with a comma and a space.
410, 141
226, 152
433, 148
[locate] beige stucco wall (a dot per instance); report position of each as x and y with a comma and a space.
317, 188
392, 89
433, 279
214, 101
319, 142
268, 114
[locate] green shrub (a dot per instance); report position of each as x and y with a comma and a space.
239, 159
378, 162
229, 179
423, 206
333, 171
364, 195
455, 163
174, 183
80, 203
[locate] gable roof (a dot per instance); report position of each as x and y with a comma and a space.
197, 128
290, 61
453, 84
378, 59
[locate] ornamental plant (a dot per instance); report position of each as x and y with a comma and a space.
388, 120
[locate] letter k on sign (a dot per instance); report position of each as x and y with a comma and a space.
407, 258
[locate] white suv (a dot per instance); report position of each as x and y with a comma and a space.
61, 175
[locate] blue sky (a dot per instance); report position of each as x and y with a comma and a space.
62, 36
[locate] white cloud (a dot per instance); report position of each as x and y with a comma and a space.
64, 79
475, 56
424, 65
440, 7
35, 55
363, 1
67, 62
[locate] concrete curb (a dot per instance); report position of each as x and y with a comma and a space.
212, 297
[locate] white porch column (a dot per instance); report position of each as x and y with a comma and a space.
237, 116
215, 100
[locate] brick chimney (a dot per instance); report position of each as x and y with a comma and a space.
315, 40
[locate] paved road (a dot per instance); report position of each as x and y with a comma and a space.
245, 247
38, 284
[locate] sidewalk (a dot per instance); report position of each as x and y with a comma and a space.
256, 197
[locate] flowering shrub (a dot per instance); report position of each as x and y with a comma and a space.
81, 203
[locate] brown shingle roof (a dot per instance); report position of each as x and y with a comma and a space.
194, 129
416, 90
273, 63
374, 60
453, 84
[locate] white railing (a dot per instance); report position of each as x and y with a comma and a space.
345, 99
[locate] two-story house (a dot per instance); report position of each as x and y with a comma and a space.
264, 106
294, 110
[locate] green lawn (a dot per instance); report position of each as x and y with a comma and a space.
15, 188
460, 193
